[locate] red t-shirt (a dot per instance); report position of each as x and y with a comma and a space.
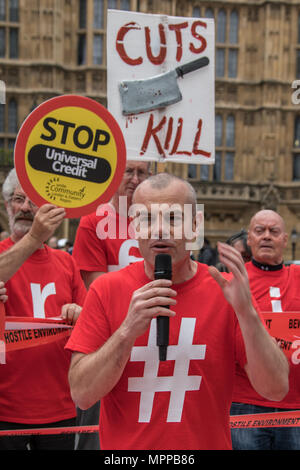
34, 384
274, 291
181, 403
103, 242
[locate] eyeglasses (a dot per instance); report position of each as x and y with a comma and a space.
20, 200
130, 173
241, 235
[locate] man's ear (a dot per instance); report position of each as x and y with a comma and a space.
285, 239
198, 222
248, 240
198, 232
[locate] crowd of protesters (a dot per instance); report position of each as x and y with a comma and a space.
113, 314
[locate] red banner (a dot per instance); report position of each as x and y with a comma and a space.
266, 420
260, 420
24, 332
285, 328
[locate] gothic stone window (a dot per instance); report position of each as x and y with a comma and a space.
9, 29
223, 168
227, 38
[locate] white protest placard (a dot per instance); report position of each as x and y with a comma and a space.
164, 105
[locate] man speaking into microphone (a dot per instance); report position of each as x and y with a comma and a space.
181, 402
163, 270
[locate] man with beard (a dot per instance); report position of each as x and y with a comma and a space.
41, 282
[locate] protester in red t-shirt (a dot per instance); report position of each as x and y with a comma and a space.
183, 402
41, 282
103, 244
276, 289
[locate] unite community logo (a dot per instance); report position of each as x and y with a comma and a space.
161, 221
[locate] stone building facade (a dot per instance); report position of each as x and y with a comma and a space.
55, 47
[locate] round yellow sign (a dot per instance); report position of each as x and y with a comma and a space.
70, 152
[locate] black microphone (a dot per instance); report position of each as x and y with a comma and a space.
163, 270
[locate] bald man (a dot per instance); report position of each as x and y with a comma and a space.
276, 289
183, 402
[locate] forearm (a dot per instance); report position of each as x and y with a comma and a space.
267, 367
46, 220
12, 259
89, 276
92, 376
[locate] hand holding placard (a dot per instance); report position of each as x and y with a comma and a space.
70, 152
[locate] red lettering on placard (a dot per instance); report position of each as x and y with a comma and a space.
199, 37
177, 28
156, 60
169, 133
177, 140
120, 44
196, 151
161, 57
152, 131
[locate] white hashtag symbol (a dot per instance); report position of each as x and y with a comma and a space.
179, 383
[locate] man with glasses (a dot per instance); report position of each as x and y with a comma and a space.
102, 241
102, 244
239, 242
41, 282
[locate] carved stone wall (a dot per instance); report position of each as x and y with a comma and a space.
259, 96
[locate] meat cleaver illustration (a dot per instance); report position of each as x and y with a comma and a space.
139, 96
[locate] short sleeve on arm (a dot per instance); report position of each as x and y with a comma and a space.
88, 251
92, 328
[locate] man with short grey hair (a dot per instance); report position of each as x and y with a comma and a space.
276, 289
41, 282
183, 402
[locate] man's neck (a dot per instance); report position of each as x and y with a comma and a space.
266, 266
121, 204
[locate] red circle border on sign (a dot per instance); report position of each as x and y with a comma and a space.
36, 115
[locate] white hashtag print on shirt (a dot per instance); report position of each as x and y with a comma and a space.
179, 383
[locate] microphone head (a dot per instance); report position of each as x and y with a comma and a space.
163, 266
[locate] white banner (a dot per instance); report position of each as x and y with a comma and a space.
165, 113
